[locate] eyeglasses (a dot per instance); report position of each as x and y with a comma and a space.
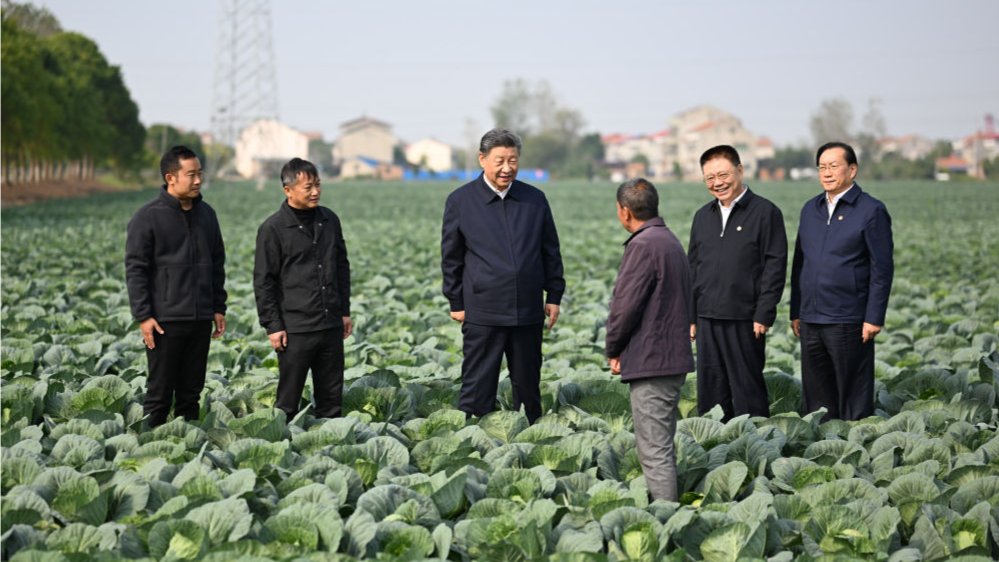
724, 176
831, 167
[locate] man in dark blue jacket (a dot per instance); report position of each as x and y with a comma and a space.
841, 278
500, 255
175, 272
301, 280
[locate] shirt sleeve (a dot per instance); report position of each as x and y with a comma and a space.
452, 255
266, 280
552, 257
139, 244
773, 249
342, 270
219, 294
881, 248
635, 282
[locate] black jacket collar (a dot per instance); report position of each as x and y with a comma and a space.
173, 202
288, 217
487, 192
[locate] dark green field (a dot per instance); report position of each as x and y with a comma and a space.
403, 477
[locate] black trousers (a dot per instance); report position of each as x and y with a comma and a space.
837, 370
322, 353
177, 370
730, 361
484, 347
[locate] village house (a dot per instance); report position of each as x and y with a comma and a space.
363, 138
430, 154
679, 148
266, 144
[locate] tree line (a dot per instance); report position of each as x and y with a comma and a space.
65, 109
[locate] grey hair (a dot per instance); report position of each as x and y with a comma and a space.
499, 137
296, 166
640, 197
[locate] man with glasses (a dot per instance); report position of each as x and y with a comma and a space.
841, 277
738, 264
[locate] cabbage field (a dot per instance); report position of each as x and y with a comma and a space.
404, 477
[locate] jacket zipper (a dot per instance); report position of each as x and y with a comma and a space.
825, 236
513, 258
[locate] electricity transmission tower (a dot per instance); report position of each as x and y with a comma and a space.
245, 84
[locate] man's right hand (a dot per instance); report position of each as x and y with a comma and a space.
279, 340
146, 327
615, 365
693, 332
796, 326
458, 316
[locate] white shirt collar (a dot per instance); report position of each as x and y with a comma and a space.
726, 211
831, 205
745, 189
502, 194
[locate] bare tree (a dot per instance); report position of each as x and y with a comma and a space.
832, 121
874, 129
472, 134
31, 18
512, 110
545, 107
569, 124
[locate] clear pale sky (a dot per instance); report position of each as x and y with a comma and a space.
627, 66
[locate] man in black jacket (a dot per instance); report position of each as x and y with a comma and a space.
301, 279
175, 272
647, 340
500, 255
738, 263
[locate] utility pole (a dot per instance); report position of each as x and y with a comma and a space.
244, 88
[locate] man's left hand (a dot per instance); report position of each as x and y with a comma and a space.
759, 329
870, 330
551, 311
348, 327
219, 325
615, 365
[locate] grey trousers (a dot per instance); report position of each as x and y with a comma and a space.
653, 408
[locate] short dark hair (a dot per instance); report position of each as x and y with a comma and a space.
170, 163
851, 155
294, 167
499, 137
640, 197
721, 151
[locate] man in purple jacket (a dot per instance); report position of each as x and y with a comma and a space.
648, 334
502, 276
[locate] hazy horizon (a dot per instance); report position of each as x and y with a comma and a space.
627, 67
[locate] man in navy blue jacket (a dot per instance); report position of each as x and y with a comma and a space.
840, 281
500, 255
